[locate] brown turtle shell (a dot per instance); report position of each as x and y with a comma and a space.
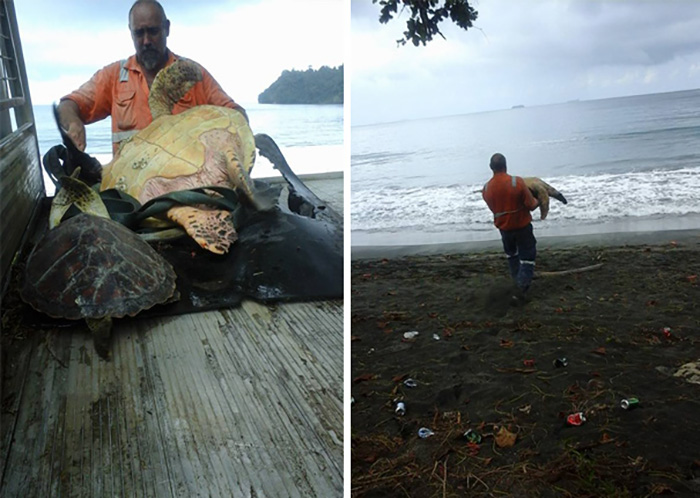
93, 267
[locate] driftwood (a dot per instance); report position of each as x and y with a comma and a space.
568, 272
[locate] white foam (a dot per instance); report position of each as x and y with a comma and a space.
593, 198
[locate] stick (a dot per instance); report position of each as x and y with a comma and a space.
568, 272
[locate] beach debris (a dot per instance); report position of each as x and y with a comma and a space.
525, 409
561, 362
354, 338
472, 436
529, 363
504, 438
436, 337
410, 383
364, 377
692, 278
505, 343
352, 400
690, 372
601, 351
400, 409
410, 335
667, 332
629, 403
575, 419
370, 351
424, 433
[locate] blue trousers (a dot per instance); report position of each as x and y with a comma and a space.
521, 248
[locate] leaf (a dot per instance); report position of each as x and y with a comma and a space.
400, 377
504, 438
364, 377
505, 343
606, 438
600, 350
354, 338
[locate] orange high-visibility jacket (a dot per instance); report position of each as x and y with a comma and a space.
121, 90
510, 201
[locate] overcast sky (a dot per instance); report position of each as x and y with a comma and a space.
244, 44
523, 53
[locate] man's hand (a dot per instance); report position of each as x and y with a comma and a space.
71, 122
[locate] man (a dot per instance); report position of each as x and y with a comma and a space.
511, 202
121, 89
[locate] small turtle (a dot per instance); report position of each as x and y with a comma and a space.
90, 267
543, 191
202, 146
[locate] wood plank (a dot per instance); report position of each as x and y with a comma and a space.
238, 402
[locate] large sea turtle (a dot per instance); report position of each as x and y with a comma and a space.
203, 146
90, 267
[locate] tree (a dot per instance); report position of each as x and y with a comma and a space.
426, 15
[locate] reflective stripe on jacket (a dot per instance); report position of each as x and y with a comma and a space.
509, 200
120, 90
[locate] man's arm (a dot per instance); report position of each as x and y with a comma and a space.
89, 103
69, 115
215, 95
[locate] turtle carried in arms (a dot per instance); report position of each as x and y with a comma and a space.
204, 146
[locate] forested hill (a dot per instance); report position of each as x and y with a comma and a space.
322, 86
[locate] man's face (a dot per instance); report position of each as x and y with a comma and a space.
149, 31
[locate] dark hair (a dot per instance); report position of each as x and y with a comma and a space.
152, 2
498, 162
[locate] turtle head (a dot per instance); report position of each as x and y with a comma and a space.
171, 84
74, 192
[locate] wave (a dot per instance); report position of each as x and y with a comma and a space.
592, 198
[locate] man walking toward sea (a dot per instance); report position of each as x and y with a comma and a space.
511, 202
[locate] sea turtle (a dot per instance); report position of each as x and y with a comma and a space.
90, 267
543, 191
203, 146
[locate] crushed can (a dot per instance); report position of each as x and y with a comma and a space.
576, 419
424, 432
629, 403
472, 436
561, 362
400, 409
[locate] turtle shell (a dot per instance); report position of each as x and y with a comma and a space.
93, 267
205, 145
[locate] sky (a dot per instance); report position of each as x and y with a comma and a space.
244, 44
523, 53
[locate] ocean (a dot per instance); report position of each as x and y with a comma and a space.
309, 136
623, 164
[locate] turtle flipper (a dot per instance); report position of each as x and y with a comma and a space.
75, 192
101, 329
212, 229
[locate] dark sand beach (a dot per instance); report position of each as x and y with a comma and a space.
625, 328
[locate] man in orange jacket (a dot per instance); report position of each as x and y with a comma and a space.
121, 89
511, 202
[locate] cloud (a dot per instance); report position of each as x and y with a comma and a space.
523, 53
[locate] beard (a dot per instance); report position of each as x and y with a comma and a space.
150, 59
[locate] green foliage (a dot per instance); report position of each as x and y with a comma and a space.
322, 86
426, 15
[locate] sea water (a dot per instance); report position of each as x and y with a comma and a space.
309, 136
624, 164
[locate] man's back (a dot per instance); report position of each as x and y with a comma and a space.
510, 201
